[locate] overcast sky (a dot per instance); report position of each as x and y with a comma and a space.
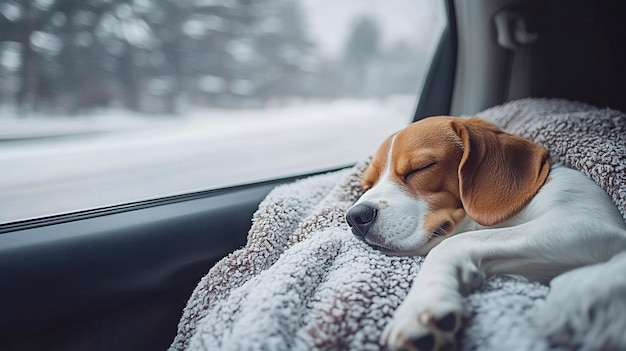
414, 21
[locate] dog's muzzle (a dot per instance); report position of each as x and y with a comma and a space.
361, 218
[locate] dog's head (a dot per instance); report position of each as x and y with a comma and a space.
424, 180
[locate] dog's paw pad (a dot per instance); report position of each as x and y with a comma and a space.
425, 343
448, 323
423, 332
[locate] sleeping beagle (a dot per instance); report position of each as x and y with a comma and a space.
480, 202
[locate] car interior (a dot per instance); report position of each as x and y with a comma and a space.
118, 278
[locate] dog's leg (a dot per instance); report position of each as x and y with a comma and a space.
586, 307
430, 316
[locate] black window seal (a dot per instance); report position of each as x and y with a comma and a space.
436, 96
73, 216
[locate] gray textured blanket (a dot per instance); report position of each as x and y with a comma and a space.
303, 282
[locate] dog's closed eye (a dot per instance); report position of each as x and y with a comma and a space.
419, 169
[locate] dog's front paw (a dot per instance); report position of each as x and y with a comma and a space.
423, 329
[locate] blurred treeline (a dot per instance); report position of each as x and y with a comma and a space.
67, 56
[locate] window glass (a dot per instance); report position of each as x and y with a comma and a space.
104, 102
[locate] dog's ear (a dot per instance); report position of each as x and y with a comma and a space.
499, 173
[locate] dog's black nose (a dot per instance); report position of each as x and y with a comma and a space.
360, 218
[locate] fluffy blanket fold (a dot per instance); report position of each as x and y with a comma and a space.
303, 282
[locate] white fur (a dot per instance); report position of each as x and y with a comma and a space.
570, 223
399, 223
585, 308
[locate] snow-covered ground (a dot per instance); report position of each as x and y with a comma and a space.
56, 164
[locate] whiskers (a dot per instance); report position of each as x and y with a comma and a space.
441, 231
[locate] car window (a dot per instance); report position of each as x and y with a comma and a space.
104, 102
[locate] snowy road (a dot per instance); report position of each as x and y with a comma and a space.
134, 160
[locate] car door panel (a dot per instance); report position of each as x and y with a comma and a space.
72, 283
